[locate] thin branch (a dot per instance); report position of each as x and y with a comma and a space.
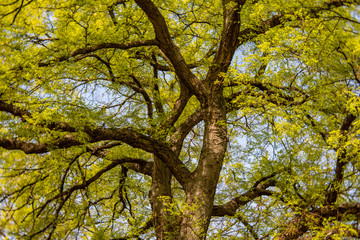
16, 10
249, 227
178, 108
278, 19
87, 182
111, 10
142, 91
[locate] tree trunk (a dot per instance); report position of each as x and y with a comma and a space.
160, 195
200, 193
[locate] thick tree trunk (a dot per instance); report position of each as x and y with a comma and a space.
200, 193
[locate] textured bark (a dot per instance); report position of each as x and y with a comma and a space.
160, 196
200, 193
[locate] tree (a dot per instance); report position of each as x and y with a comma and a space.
179, 119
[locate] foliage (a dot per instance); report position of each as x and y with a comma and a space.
179, 119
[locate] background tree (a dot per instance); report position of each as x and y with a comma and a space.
179, 119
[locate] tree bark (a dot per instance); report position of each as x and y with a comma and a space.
160, 197
200, 193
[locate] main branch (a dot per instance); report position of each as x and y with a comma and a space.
169, 48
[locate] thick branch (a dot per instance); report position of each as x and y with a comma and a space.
169, 48
23, 114
229, 39
137, 165
94, 48
16, 111
250, 33
126, 135
177, 138
146, 143
143, 167
230, 207
28, 147
347, 123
